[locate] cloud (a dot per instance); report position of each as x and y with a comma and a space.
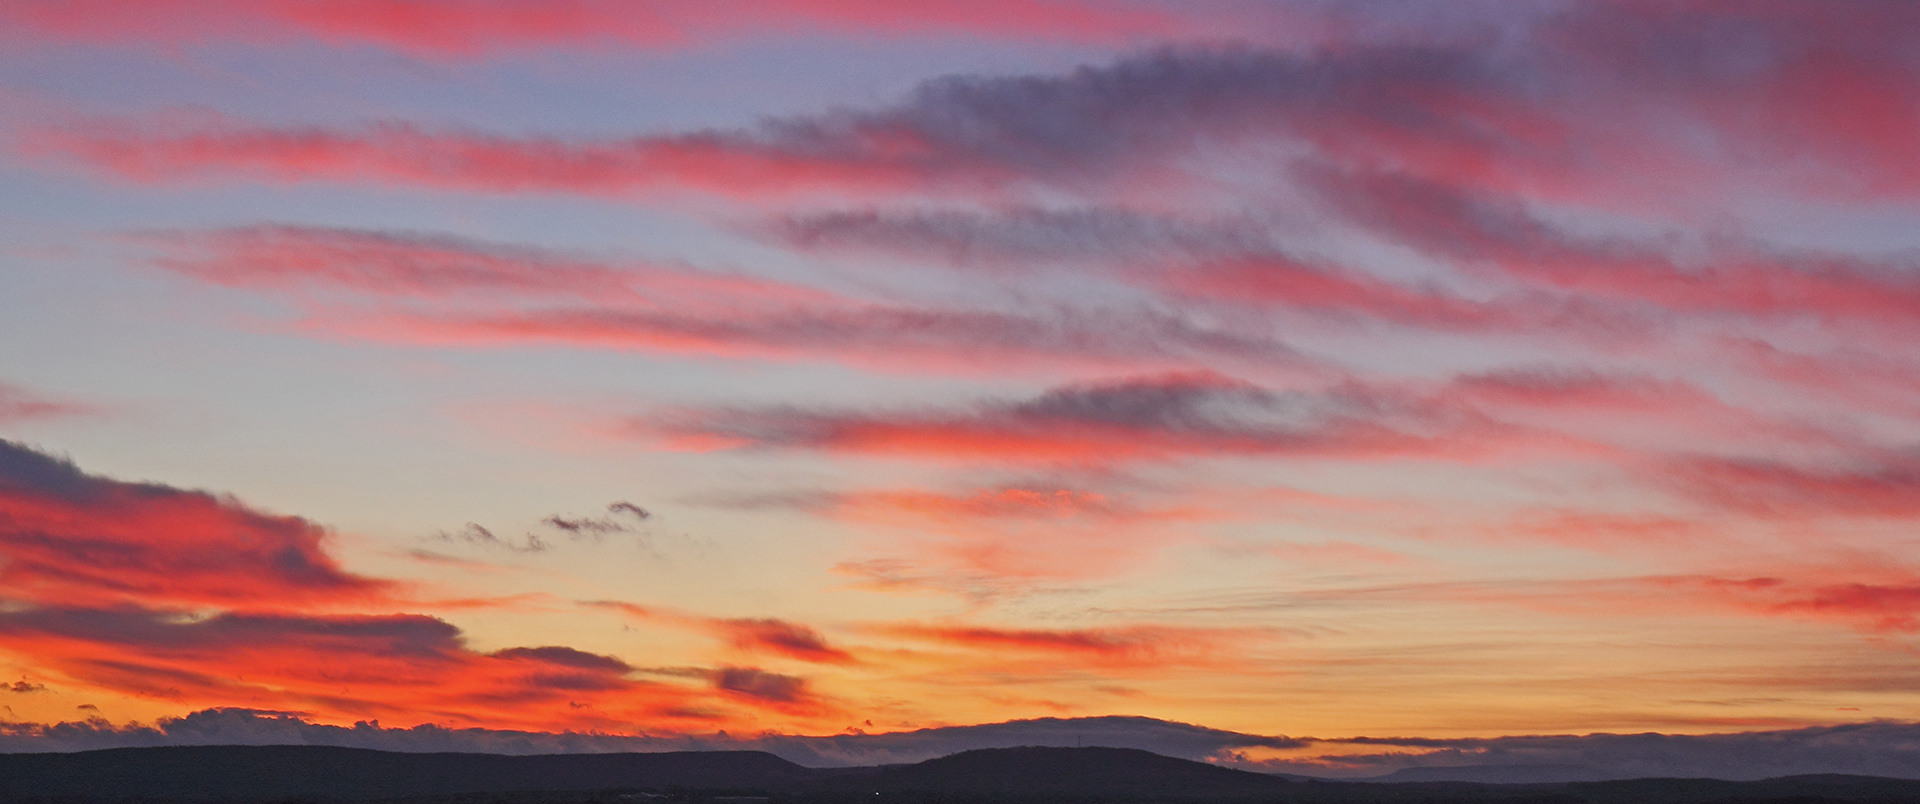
999, 503
344, 667
1133, 646
475, 534
147, 590
750, 634
584, 526
1134, 419
1129, 120
781, 637
1020, 238
635, 511
20, 405
1887, 486
575, 528
1809, 99
1864, 378
437, 290
445, 29
1010, 503
1731, 277
1875, 749
1234, 263
68, 537
1874, 599
760, 684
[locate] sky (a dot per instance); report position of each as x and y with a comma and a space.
1443, 371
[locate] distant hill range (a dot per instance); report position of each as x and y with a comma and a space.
1097, 772
320, 773
274, 772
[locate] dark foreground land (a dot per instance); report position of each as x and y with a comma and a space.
286, 774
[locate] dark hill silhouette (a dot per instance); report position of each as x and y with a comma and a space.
996, 776
1498, 774
277, 772
1064, 771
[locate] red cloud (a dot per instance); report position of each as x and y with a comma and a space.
67, 537
345, 668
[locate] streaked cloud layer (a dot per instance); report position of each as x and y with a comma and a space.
1290, 368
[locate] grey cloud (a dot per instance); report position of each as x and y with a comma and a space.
476, 534
583, 526
624, 507
756, 683
590, 527
567, 657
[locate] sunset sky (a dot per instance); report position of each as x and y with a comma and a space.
1452, 369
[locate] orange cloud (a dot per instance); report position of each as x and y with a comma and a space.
346, 668
1143, 646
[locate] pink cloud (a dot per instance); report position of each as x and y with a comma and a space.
441, 28
19, 404
1134, 419
437, 290
1742, 279
1886, 486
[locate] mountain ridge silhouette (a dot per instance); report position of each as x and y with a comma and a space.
1030, 774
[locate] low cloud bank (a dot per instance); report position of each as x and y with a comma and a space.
1881, 748
1878, 749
